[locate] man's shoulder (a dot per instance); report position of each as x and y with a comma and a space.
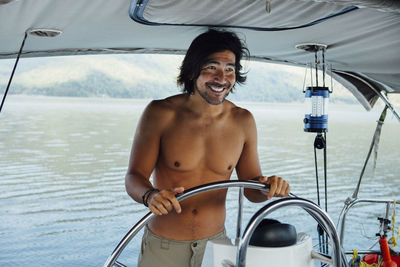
169, 104
240, 113
243, 119
163, 110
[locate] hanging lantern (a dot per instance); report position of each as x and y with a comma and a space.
316, 97
316, 117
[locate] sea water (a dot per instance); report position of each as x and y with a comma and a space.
63, 161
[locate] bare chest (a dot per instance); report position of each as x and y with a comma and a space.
202, 146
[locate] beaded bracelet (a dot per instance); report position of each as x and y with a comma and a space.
146, 195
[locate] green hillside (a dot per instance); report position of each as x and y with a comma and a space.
144, 76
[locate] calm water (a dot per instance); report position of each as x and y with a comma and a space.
63, 161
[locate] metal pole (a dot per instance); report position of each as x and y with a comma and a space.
13, 71
316, 67
240, 211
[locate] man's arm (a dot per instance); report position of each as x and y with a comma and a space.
248, 166
143, 159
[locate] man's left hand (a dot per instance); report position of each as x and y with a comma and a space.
277, 186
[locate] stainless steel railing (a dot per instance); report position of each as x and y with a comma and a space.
351, 202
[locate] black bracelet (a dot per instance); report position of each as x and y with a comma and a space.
147, 194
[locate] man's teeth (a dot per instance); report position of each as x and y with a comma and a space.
217, 89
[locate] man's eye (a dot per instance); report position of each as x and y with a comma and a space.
230, 69
211, 67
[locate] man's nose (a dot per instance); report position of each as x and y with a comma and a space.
220, 75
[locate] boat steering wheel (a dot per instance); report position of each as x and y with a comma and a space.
314, 210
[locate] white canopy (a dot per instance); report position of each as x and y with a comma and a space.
363, 37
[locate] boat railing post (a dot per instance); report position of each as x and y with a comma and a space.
387, 210
349, 203
240, 210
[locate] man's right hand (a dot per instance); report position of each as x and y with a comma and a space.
163, 202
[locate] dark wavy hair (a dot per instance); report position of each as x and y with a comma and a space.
202, 47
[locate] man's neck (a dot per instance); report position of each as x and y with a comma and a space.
199, 105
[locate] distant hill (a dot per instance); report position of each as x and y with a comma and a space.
145, 76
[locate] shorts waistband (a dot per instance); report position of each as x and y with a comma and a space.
150, 234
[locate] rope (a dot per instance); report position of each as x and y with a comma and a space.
362, 263
354, 257
393, 240
320, 143
373, 144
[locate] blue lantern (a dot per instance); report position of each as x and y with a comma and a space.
317, 97
316, 117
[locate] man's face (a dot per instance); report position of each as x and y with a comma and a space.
217, 77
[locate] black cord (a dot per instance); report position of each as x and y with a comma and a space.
13, 71
320, 143
326, 189
316, 174
325, 175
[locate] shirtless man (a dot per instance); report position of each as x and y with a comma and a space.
191, 139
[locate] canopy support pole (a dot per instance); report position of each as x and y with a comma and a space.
13, 71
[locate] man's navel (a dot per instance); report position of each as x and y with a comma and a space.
177, 164
194, 211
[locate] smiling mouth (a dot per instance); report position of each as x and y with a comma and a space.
218, 88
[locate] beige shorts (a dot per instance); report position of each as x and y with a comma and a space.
157, 251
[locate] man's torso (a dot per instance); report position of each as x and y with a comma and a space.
196, 149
